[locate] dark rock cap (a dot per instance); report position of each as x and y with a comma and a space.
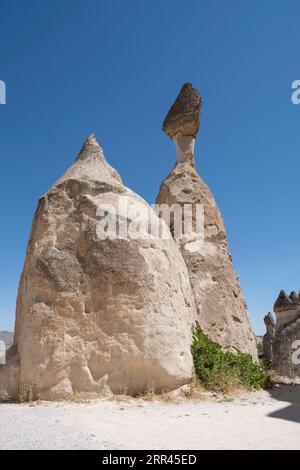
184, 114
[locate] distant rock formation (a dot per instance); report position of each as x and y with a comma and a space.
286, 342
98, 315
221, 309
115, 313
184, 114
6, 340
7, 337
286, 307
269, 337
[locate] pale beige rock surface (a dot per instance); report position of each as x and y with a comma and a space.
221, 309
99, 315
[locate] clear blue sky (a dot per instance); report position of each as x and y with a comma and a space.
113, 67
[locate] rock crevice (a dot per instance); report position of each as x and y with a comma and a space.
96, 315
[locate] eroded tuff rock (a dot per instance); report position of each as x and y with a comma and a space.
221, 309
284, 301
286, 350
184, 114
98, 315
286, 307
269, 337
286, 331
7, 337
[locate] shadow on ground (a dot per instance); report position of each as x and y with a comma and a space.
287, 394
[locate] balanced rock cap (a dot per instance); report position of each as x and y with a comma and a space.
184, 114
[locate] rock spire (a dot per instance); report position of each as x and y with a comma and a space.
221, 309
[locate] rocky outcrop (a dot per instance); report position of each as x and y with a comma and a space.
9, 367
286, 307
286, 341
221, 308
98, 314
7, 337
286, 351
269, 337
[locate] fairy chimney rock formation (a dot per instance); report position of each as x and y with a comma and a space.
269, 337
182, 121
221, 309
286, 307
96, 314
286, 346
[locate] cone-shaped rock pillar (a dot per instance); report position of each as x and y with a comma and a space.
221, 308
98, 314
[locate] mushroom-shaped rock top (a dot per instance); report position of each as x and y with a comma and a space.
184, 114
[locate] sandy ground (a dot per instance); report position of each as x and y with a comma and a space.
262, 420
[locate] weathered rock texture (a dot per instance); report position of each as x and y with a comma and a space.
286, 351
221, 309
184, 114
286, 346
269, 337
98, 315
7, 337
286, 308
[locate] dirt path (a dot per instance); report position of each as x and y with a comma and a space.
254, 421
